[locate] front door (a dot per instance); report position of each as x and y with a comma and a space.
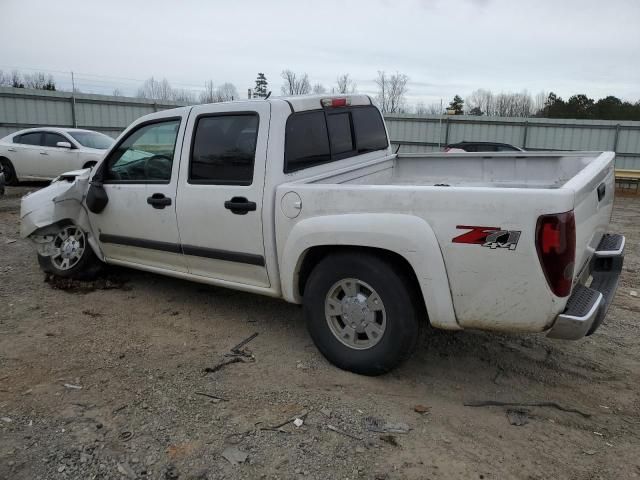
56, 160
138, 226
221, 186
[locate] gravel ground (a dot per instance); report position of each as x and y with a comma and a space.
106, 380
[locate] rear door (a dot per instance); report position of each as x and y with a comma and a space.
219, 203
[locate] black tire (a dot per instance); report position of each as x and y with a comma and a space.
86, 268
405, 315
10, 177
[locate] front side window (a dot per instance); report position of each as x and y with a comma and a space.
146, 155
51, 139
307, 141
224, 149
33, 138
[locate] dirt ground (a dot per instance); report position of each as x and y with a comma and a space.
106, 381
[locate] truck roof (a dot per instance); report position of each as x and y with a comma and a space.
300, 103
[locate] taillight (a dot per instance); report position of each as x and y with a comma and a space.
556, 245
335, 102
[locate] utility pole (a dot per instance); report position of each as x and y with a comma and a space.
440, 131
73, 101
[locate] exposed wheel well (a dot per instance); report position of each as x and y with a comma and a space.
315, 255
89, 164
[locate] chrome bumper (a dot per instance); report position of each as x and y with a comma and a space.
587, 307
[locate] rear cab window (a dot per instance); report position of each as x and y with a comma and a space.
321, 136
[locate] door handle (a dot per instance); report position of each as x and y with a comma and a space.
44, 153
602, 189
158, 200
240, 205
11, 149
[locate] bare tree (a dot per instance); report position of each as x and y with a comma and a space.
208, 94
539, 102
39, 81
117, 92
295, 84
484, 102
185, 96
226, 92
156, 89
344, 84
16, 79
5, 79
391, 91
431, 109
319, 88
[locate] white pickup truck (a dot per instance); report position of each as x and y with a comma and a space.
303, 198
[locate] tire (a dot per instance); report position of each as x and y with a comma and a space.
10, 177
397, 314
81, 265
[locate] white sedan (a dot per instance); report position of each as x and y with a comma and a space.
44, 153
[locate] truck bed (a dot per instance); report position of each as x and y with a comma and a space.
496, 170
497, 288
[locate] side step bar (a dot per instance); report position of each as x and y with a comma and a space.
587, 307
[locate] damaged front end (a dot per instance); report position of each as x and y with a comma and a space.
43, 213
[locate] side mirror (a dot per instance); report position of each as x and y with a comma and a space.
96, 197
63, 144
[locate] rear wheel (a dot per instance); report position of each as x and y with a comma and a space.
10, 177
73, 256
363, 312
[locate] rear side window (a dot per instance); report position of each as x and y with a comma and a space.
369, 129
307, 141
322, 136
224, 149
33, 138
50, 139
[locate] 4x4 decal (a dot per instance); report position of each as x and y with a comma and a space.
492, 237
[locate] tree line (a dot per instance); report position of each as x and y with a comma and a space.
391, 94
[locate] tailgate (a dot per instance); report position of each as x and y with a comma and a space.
594, 188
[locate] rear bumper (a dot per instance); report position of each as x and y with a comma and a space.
587, 306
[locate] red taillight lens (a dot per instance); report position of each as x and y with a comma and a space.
556, 245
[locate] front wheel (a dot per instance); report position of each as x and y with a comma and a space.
73, 257
363, 312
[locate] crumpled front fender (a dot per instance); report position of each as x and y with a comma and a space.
62, 201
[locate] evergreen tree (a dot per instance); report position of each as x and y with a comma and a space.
261, 86
457, 105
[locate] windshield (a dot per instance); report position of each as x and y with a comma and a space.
92, 139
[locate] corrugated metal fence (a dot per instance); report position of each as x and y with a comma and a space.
20, 108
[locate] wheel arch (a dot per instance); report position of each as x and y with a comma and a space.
406, 240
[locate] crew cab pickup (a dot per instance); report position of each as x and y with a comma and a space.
303, 198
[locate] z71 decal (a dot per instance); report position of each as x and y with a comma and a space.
492, 237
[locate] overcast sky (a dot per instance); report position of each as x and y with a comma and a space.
446, 47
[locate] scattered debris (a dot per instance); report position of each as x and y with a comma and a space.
126, 470
125, 436
238, 348
224, 363
298, 422
599, 434
421, 409
109, 282
9, 241
374, 424
234, 455
518, 417
326, 412
390, 439
215, 397
302, 416
6, 419
589, 452
633, 293
342, 432
495, 403
91, 313
72, 387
